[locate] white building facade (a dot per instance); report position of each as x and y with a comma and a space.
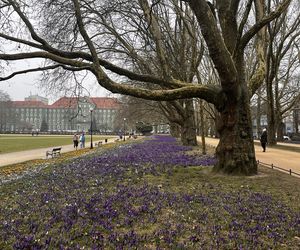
66, 114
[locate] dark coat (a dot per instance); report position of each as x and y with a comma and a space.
264, 137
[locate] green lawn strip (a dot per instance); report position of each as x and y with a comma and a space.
10, 144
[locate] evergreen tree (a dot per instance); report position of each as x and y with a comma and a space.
44, 126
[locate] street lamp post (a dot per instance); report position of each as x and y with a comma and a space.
91, 110
124, 127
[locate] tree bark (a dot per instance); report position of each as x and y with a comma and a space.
271, 115
280, 130
258, 114
202, 127
296, 120
174, 129
235, 151
188, 128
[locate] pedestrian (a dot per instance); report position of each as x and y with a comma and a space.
75, 141
264, 139
82, 140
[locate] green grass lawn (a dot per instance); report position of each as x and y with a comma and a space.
15, 143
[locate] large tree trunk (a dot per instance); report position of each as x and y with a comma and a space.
188, 129
235, 151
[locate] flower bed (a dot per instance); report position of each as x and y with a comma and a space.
149, 195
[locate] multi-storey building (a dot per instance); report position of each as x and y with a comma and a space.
27, 115
66, 114
36, 98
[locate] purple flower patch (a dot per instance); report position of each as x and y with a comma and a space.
103, 202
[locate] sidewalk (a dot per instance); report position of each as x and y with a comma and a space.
280, 158
17, 157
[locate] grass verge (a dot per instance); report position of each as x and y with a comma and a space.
11, 143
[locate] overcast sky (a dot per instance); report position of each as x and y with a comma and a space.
22, 86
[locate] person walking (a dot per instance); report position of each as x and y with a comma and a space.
264, 139
75, 141
82, 140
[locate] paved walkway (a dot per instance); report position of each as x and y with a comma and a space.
280, 158
17, 157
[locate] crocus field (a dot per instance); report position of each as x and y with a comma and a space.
153, 194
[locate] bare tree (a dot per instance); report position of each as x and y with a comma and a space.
176, 26
7, 114
282, 63
225, 35
139, 110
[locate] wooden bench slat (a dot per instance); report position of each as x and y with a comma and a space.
98, 144
54, 152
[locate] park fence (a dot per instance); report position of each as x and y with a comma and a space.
272, 166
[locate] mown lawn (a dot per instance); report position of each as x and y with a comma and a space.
150, 195
10, 143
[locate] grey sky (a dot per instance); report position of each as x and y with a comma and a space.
22, 86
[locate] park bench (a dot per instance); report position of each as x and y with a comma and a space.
54, 152
98, 144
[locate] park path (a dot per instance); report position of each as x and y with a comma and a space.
280, 158
18, 157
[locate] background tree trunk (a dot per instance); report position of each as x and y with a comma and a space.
203, 129
258, 114
188, 129
174, 129
280, 130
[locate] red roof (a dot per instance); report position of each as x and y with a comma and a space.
65, 102
99, 102
29, 104
105, 102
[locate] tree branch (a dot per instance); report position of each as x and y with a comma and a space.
244, 20
210, 93
171, 115
41, 69
18, 40
215, 43
86, 37
256, 27
28, 24
154, 28
45, 55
